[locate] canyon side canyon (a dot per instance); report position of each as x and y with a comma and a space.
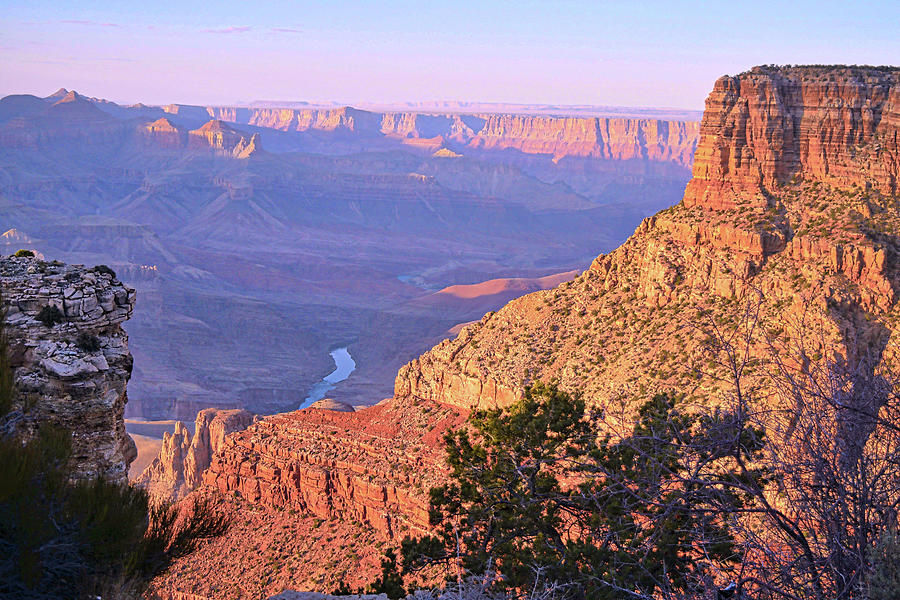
260, 239
233, 224
792, 212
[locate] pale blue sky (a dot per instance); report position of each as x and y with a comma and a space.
566, 52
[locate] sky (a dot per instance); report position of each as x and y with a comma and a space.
654, 54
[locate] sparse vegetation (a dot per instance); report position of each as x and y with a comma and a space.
50, 315
104, 270
85, 539
24, 253
633, 524
88, 342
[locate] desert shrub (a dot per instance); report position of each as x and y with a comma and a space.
87, 342
62, 539
551, 509
50, 315
884, 579
95, 538
24, 253
104, 270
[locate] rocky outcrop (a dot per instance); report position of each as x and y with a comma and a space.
793, 197
221, 137
70, 358
838, 125
178, 470
164, 133
372, 466
330, 404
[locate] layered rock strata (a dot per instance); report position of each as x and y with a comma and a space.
373, 466
596, 137
794, 197
179, 467
70, 358
837, 125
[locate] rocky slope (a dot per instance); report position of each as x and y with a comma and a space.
372, 466
179, 467
71, 368
793, 197
315, 496
807, 236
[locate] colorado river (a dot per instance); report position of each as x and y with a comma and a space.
344, 365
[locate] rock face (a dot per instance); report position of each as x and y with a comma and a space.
597, 137
221, 137
762, 128
373, 466
793, 197
179, 468
71, 370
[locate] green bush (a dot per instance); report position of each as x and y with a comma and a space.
90, 539
103, 269
87, 342
538, 505
95, 538
50, 315
24, 253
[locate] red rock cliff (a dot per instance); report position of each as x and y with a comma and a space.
793, 195
767, 126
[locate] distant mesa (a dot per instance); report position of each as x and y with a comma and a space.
75, 107
220, 136
446, 153
162, 125
72, 96
14, 236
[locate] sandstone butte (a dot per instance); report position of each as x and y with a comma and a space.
793, 205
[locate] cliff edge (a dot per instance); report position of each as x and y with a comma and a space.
793, 196
70, 358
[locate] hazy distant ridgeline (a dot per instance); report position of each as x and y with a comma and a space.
260, 239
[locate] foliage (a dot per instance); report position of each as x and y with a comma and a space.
884, 579
390, 582
103, 269
50, 315
538, 498
24, 253
824, 528
87, 342
64, 539
7, 390
61, 538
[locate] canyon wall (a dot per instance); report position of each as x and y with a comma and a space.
792, 233
611, 138
71, 369
374, 466
182, 460
793, 197
762, 128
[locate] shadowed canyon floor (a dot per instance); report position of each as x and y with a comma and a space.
260, 239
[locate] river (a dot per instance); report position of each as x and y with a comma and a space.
344, 365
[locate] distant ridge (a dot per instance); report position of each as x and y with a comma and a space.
462, 107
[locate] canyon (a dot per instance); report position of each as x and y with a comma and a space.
791, 215
336, 224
